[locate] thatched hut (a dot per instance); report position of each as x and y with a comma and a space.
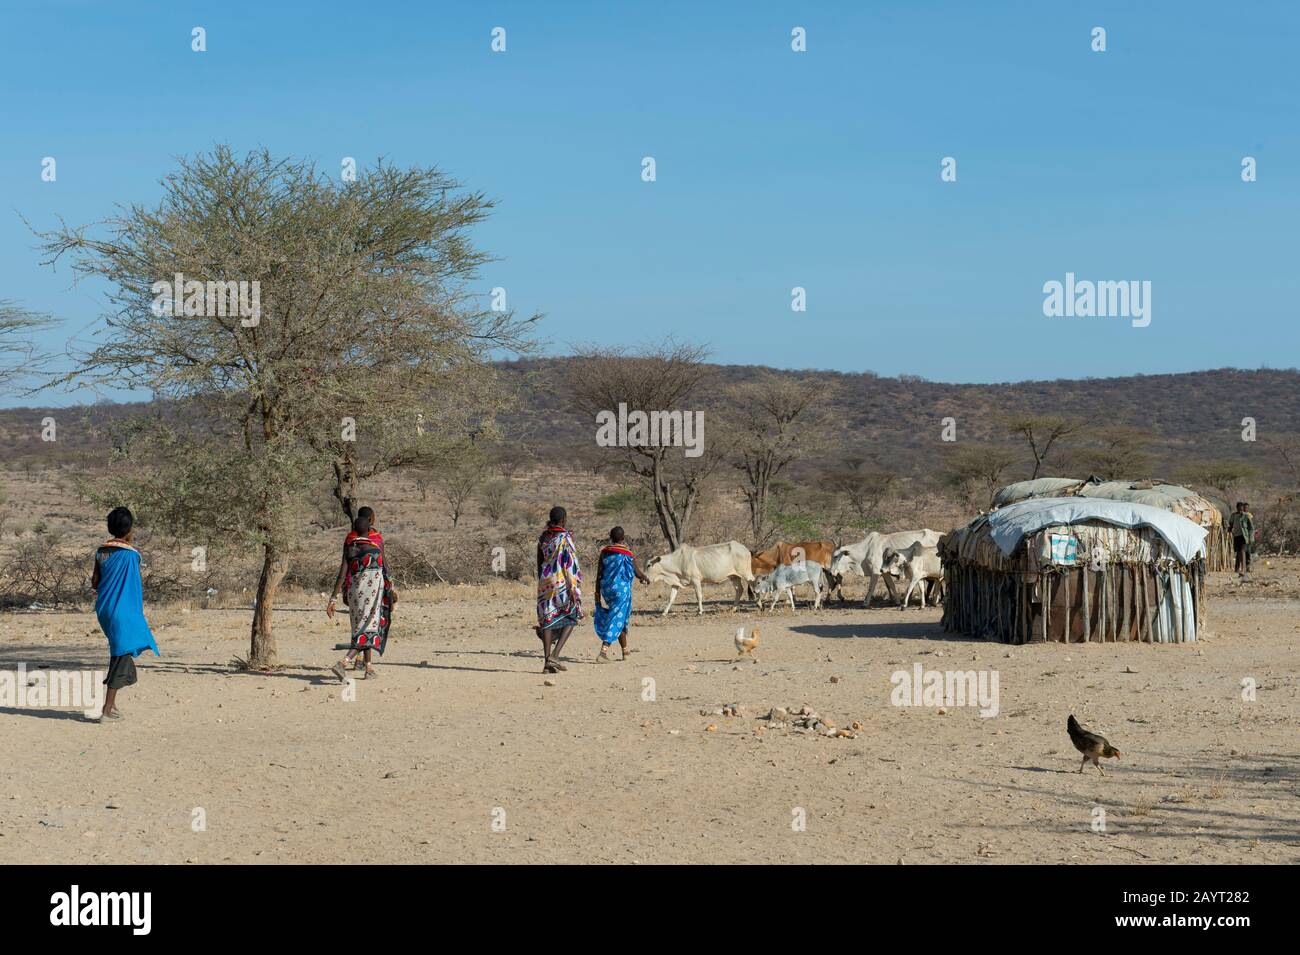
1075, 569
1171, 497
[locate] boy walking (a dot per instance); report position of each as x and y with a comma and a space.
119, 606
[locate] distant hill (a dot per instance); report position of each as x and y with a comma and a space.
894, 421
897, 421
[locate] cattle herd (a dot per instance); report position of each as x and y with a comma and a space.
910, 558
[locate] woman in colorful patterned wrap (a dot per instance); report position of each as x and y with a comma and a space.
559, 589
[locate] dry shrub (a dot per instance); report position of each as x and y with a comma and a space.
461, 559
36, 573
1279, 526
159, 585
311, 576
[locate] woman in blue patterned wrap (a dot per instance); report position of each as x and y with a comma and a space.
614, 574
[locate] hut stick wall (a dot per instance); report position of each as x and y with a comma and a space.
1119, 602
1218, 549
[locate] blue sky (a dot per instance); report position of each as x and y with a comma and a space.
775, 169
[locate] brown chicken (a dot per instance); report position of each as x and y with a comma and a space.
1093, 746
745, 644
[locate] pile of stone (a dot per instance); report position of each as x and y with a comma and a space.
727, 709
803, 719
806, 719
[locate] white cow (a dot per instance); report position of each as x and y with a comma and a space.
867, 557
781, 582
916, 565
712, 564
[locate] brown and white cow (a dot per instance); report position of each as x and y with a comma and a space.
781, 554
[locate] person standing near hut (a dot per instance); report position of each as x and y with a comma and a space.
614, 575
1242, 527
559, 589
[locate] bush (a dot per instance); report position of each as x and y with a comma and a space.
494, 499
462, 559
796, 527
1279, 527
36, 573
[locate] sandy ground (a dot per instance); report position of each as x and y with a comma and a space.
461, 732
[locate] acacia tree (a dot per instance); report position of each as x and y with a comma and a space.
775, 422
1287, 448
976, 471
361, 286
863, 486
662, 378
494, 498
459, 478
407, 418
1042, 433
1115, 452
19, 358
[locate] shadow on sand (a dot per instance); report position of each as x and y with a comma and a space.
900, 630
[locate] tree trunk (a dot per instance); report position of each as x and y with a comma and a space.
664, 506
760, 473
756, 498
274, 566
666, 524
346, 487
687, 509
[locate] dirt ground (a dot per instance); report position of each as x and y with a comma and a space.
460, 752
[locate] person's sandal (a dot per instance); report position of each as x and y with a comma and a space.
109, 717
370, 674
602, 656
340, 673
549, 667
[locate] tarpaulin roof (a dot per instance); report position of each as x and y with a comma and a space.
1173, 497
1008, 525
1142, 492
1158, 495
1039, 487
